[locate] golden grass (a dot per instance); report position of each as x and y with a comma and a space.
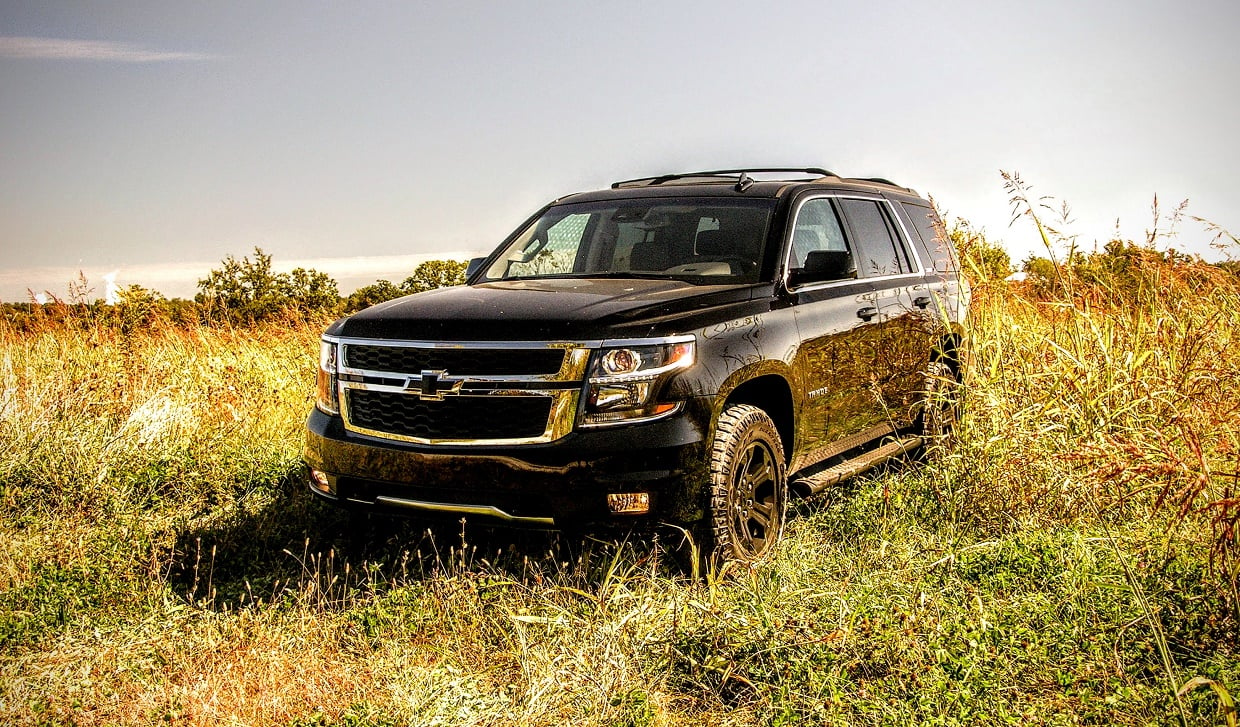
1113, 399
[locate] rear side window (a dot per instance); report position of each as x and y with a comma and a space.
876, 247
932, 238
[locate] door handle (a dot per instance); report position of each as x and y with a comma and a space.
921, 301
867, 313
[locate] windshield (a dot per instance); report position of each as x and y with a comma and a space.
705, 240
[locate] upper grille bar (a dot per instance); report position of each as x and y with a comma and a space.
459, 361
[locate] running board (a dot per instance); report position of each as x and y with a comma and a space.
820, 481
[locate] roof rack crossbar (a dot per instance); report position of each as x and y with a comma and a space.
654, 181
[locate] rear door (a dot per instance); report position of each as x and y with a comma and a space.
907, 319
942, 270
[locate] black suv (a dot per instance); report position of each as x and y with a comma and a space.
682, 349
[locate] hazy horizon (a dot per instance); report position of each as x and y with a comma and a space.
180, 280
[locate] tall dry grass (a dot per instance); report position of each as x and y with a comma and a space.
102, 418
1110, 390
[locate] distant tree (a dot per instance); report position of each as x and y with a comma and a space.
366, 296
183, 312
138, 307
981, 259
429, 275
248, 290
138, 295
241, 289
309, 291
1040, 274
434, 274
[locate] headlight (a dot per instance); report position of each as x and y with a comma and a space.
624, 380
328, 397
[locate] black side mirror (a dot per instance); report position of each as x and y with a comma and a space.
824, 265
475, 264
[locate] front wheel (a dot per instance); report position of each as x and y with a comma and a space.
748, 487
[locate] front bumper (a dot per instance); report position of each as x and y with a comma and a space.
560, 484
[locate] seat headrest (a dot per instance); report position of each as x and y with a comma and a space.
649, 256
713, 242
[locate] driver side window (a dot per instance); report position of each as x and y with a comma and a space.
817, 228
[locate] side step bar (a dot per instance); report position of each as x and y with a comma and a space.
820, 481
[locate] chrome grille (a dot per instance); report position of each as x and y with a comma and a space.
474, 393
459, 361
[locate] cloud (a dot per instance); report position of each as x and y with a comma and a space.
63, 49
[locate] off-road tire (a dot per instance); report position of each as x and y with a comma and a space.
748, 487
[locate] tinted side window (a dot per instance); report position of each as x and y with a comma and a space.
933, 238
876, 251
817, 228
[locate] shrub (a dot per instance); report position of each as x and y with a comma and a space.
247, 291
429, 275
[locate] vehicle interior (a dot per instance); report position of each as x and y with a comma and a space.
685, 239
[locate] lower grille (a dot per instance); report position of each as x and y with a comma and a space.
453, 418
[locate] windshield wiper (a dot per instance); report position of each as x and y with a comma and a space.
608, 275
620, 274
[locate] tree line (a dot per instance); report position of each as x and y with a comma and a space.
241, 291
248, 290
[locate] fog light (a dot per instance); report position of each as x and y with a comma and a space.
318, 480
629, 503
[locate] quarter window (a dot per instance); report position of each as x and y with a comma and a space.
932, 237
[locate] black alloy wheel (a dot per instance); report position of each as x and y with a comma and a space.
749, 493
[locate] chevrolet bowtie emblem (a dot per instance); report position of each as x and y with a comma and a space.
433, 385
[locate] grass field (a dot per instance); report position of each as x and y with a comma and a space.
1070, 559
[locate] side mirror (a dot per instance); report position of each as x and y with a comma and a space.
823, 266
475, 264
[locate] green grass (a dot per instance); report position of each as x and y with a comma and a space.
1061, 563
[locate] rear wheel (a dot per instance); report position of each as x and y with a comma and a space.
941, 405
748, 487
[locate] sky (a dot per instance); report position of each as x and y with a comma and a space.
148, 140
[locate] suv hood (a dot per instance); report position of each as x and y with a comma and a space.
551, 309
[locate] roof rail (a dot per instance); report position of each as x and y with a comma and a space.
743, 180
882, 180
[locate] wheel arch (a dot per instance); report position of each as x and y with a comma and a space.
771, 393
